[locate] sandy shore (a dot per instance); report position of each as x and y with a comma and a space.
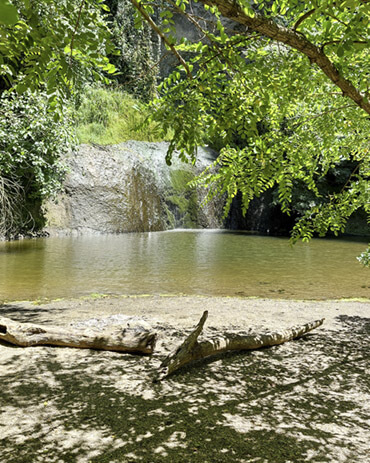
307, 400
184, 311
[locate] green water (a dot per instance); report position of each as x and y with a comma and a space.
182, 262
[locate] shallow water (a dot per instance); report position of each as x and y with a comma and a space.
182, 262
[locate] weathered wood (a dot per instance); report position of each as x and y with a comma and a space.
180, 356
192, 350
113, 338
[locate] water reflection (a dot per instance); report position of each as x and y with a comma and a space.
189, 262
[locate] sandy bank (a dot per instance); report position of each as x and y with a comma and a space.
184, 311
304, 401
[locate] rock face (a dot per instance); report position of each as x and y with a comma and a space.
263, 216
184, 28
129, 188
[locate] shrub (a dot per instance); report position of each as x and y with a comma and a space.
32, 143
364, 258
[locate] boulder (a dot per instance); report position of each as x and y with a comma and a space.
129, 188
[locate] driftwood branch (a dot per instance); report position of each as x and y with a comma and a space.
115, 338
180, 356
138, 337
192, 350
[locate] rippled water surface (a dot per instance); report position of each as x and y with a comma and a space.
188, 262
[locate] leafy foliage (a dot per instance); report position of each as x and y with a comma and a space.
278, 118
32, 144
47, 49
53, 44
107, 116
9, 14
139, 51
364, 258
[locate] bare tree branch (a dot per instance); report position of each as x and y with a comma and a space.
192, 350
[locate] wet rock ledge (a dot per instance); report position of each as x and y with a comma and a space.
129, 188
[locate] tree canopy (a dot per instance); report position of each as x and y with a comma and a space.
47, 49
52, 45
283, 87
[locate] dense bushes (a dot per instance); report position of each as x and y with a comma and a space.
49, 50
32, 144
139, 51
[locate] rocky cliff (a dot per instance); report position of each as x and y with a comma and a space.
129, 188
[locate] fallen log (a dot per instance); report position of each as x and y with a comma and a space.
191, 350
115, 338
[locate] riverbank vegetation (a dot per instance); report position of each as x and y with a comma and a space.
109, 116
32, 145
47, 57
286, 106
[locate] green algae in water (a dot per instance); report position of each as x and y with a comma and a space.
184, 198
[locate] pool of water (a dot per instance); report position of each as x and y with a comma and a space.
182, 262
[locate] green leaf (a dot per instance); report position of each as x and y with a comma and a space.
21, 88
8, 13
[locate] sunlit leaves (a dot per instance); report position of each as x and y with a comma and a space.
53, 45
8, 13
275, 117
32, 142
364, 258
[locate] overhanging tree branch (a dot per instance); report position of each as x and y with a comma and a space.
231, 10
303, 18
267, 27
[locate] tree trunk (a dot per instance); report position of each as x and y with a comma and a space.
192, 350
115, 338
